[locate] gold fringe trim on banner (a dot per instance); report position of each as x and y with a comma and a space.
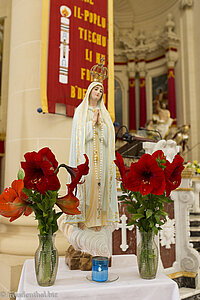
111, 84
44, 54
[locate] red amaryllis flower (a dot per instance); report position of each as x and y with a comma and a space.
77, 173
173, 174
122, 168
13, 201
160, 158
40, 171
69, 204
146, 177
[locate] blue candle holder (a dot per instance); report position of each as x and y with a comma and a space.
100, 268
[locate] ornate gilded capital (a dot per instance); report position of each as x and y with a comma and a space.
186, 3
2, 136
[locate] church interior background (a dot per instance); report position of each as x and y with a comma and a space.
156, 56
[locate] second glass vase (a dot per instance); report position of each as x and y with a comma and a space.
147, 255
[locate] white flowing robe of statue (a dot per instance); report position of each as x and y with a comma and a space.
82, 140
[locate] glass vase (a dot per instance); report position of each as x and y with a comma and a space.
147, 255
46, 260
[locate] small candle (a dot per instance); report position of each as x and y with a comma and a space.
99, 268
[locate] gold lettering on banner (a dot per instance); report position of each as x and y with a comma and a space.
84, 92
73, 92
79, 15
85, 74
89, 2
88, 76
89, 16
92, 37
77, 92
88, 55
99, 56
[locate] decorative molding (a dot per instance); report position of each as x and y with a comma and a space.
167, 234
187, 173
128, 11
187, 258
123, 226
142, 45
170, 41
169, 148
186, 3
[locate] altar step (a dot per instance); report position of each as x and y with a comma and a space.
189, 294
195, 230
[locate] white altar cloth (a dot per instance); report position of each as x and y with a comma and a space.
74, 285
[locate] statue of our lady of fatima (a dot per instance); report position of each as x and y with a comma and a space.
93, 134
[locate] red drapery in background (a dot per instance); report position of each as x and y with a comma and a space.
132, 109
171, 93
143, 112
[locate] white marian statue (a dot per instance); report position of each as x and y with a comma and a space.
93, 134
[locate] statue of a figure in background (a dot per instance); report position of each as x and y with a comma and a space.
161, 121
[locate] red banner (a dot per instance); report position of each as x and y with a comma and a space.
77, 41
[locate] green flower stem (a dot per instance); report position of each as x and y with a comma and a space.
147, 255
46, 261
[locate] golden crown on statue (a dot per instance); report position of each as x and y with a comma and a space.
99, 72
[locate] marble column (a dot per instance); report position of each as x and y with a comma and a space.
132, 104
189, 67
171, 56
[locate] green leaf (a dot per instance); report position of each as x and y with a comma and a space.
131, 209
54, 228
28, 192
163, 213
122, 188
132, 222
169, 200
40, 206
155, 230
157, 217
137, 216
58, 215
149, 213
40, 226
141, 210
122, 197
45, 214
50, 220
128, 202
